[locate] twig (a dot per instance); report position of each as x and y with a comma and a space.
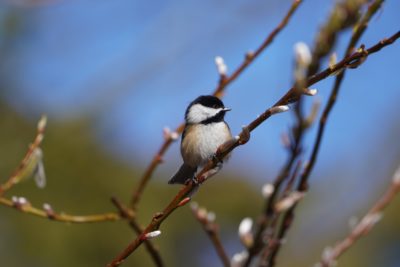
274, 208
49, 213
218, 91
23, 205
268, 214
331, 254
360, 28
207, 221
182, 197
127, 214
16, 176
342, 16
302, 186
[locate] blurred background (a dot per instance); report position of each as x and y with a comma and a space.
110, 75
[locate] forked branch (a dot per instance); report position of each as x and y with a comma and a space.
354, 60
218, 91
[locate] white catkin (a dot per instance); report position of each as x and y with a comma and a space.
279, 109
153, 234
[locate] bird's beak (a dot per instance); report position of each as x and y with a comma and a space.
226, 109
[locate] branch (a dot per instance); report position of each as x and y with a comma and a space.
47, 212
331, 254
18, 174
357, 58
360, 28
218, 91
130, 216
302, 186
207, 221
25, 168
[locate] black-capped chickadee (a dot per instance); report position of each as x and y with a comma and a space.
205, 130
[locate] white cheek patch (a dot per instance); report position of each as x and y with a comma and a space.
199, 113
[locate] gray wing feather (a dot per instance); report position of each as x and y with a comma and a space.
184, 173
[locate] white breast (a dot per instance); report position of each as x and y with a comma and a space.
201, 142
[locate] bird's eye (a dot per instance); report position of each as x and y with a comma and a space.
215, 106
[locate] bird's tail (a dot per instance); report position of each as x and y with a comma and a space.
184, 173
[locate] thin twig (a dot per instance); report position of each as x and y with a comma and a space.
331, 254
342, 16
207, 221
182, 197
127, 214
276, 207
23, 205
302, 186
16, 176
48, 213
218, 91
360, 28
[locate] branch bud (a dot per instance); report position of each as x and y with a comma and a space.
289, 201
202, 213
239, 259
332, 60
168, 134
211, 216
245, 232
49, 210
42, 123
328, 257
310, 92
184, 201
20, 201
396, 177
267, 190
152, 234
368, 222
221, 66
39, 173
303, 55
279, 109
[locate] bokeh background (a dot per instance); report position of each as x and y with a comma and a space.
111, 74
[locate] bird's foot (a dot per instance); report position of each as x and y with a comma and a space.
244, 136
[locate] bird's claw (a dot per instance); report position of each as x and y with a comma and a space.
244, 136
216, 159
194, 180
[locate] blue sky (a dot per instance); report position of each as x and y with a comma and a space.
133, 68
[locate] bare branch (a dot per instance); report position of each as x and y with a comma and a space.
49, 213
23, 205
302, 186
224, 81
359, 29
242, 138
130, 216
19, 174
331, 254
207, 221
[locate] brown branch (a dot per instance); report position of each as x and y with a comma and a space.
130, 216
17, 175
331, 254
270, 216
218, 91
207, 221
342, 16
302, 186
23, 205
182, 197
155, 223
360, 28
48, 213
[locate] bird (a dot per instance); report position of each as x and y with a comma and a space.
205, 130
